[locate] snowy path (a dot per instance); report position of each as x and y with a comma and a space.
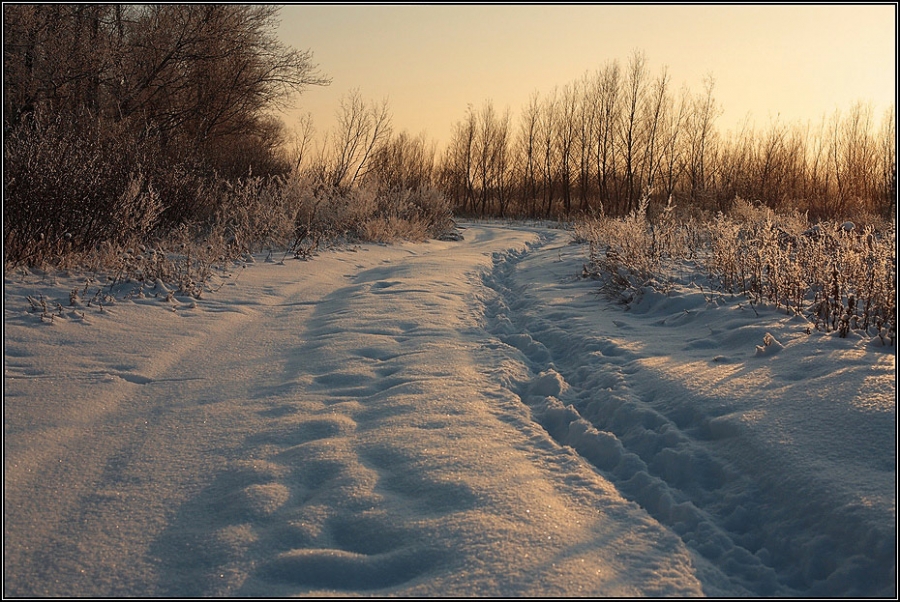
449, 418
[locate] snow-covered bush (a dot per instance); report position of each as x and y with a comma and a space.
637, 250
842, 276
67, 189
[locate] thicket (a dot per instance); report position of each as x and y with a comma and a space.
842, 276
119, 120
603, 142
151, 125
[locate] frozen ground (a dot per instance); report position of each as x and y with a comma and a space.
464, 418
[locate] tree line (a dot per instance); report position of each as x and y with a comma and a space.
604, 142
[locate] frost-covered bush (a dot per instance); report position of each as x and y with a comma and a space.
257, 213
637, 250
842, 276
409, 213
67, 189
370, 213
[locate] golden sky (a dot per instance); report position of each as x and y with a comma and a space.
797, 63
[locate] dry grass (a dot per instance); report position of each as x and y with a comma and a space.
842, 276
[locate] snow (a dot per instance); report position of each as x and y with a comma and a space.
451, 418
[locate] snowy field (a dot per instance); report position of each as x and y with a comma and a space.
451, 418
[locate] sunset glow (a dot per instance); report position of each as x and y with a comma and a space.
793, 63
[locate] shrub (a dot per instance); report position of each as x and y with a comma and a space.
67, 189
841, 276
636, 249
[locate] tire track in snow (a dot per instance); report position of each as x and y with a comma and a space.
105, 425
368, 469
300, 507
583, 390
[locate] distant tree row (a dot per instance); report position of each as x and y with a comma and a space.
364, 150
614, 136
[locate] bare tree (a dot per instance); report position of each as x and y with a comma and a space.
887, 159
361, 128
817, 164
503, 162
197, 77
548, 125
737, 161
54, 59
629, 125
700, 139
484, 144
587, 129
606, 97
657, 104
769, 159
794, 166
403, 163
672, 163
848, 154
566, 138
459, 162
527, 151
210, 66
167, 96
301, 140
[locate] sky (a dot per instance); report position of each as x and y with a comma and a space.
794, 63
